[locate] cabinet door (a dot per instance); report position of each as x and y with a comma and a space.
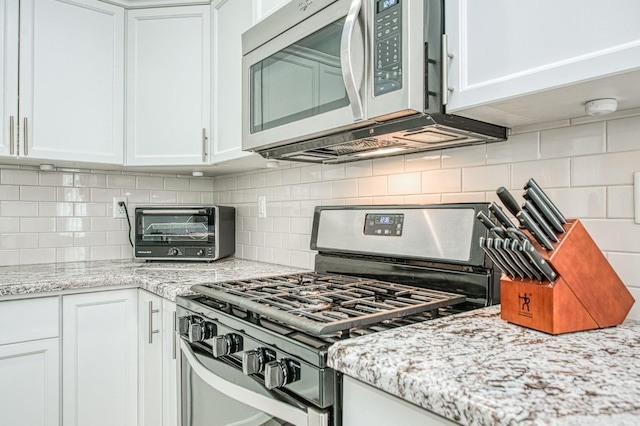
168, 85
504, 49
149, 359
99, 367
29, 388
265, 8
72, 80
9, 10
229, 20
170, 392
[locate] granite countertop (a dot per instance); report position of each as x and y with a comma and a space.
476, 369
166, 279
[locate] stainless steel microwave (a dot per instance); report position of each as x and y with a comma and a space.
340, 80
184, 232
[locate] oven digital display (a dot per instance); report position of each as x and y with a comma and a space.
389, 225
386, 4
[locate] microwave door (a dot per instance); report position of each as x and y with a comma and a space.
308, 81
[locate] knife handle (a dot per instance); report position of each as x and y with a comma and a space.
485, 220
539, 261
507, 199
533, 184
542, 223
535, 230
501, 216
517, 234
533, 195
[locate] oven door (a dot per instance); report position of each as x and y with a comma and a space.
215, 393
308, 80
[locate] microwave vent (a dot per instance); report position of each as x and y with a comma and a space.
358, 146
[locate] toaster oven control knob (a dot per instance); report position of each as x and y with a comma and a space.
200, 252
280, 373
226, 344
253, 361
201, 330
173, 251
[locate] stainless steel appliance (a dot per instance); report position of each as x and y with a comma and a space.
254, 351
342, 80
178, 232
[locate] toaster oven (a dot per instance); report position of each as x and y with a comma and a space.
184, 232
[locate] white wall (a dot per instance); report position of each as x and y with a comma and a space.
586, 166
66, 216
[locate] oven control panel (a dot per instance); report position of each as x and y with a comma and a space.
389, 225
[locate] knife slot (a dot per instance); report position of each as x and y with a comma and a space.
587, 293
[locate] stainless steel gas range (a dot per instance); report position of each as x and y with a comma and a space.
254, 352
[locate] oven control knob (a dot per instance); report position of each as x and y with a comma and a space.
253, 361
280, 373
173, 251
201, 330
226, 344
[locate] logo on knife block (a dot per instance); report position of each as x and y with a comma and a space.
525, 305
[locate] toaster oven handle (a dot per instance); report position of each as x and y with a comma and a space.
346, 44
173, 211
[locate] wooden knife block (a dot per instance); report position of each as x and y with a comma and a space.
587, 294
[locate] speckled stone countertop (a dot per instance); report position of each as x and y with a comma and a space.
166, 279
476, 369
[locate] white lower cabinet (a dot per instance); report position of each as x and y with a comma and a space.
100, 365
30, 362
364, 405
157, 379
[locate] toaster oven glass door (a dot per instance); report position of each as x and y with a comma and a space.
180, 226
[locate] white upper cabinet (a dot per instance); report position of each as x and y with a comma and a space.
506, 54
265, 8
168, 85
9, 13
71, 73
71, 80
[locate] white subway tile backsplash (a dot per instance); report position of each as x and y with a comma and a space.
55, 209
90, 180
475, 155
162, 197
92, 209
121, 181
618, 235
244, 181
623, 134
605, 169
8, 192
105, 253
345, 188
89, 239
39, 255
9, 257
18, 177
243, 237
281, 224
405, 184
627, 266
250, 252
291, 176
257, 239
547, 173
372, 186
464, 197
310, 173
320, 190
73, 224
56, 179
423, 199
37, 193
201, 184
386, 166
265, 254
282, 193
18, 208
301, 191
10, 224
149, 182
258, 180
307, 207
273, 178
439, 181
176, 184
379, 201
139, 195
35, 224
18, 241
620, 202
73, 254
73, 194
333, 171
265, 224
106, 224
359, 169
300, 225
292, 242
522, 147
55, 239
104, 195
422, 161
281, 257
573, 141
485, 178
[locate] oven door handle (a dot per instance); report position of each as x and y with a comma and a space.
173, 211
260, 402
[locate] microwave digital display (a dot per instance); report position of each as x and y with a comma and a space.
386, 4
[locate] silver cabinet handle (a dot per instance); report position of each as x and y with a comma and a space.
26, 136
12, 134
346, 42
151, 330
445, 70
204, 145
174, 350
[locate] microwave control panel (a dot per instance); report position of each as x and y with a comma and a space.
388, 46
389, 225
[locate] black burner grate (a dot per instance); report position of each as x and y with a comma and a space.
327, 303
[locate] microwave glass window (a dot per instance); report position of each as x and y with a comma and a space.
174, 228
300, 81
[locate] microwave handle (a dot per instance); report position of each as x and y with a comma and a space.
348, 77
265, 404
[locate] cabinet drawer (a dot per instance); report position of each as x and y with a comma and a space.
29, 319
